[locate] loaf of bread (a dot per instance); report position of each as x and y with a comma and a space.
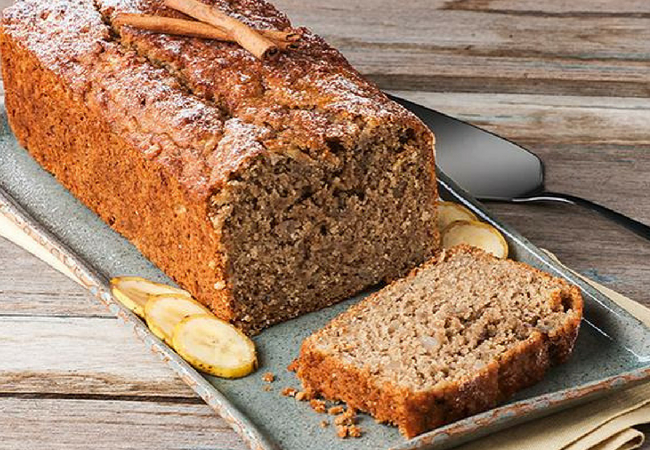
267, 189
460, 334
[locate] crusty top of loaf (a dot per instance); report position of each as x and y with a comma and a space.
204, 108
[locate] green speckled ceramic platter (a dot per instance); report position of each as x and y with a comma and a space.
612, 351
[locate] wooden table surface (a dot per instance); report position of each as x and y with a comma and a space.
568, 79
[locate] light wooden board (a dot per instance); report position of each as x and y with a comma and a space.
76, 423
570, 80
477, 45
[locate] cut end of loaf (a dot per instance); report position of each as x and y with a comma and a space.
304, 231
460, 334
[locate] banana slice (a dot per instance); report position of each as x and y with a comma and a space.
133, 292
164, 312
477, 234
214, 346
449, 212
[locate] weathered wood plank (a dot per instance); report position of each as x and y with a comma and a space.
98, 356
548, 119
579, 8
29, 287
70, 424
468, 46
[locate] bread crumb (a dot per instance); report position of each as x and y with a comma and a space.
289, 392
324, 423
347, 418
335, 410
318, 405
355, 431
345, 431
267, 388
303, 396
268, 377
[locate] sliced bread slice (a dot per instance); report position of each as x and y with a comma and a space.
458, 335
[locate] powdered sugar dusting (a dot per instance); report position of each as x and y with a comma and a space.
62, 34
240, 141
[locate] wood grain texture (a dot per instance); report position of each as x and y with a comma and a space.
76, 424
59, 355
569, 80
484, 46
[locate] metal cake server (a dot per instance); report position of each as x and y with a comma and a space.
493, 168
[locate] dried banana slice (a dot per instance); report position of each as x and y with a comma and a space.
214, 346
164, 312
133, 292
477, 234
450, 212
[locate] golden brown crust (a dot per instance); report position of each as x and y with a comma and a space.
66, 137
417, 412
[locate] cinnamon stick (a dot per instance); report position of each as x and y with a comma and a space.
259, 46
170, 25
277, 35
182, 27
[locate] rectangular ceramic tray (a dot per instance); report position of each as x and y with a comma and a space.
612, 351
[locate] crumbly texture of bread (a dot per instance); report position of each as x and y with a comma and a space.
457, 336
267, 189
